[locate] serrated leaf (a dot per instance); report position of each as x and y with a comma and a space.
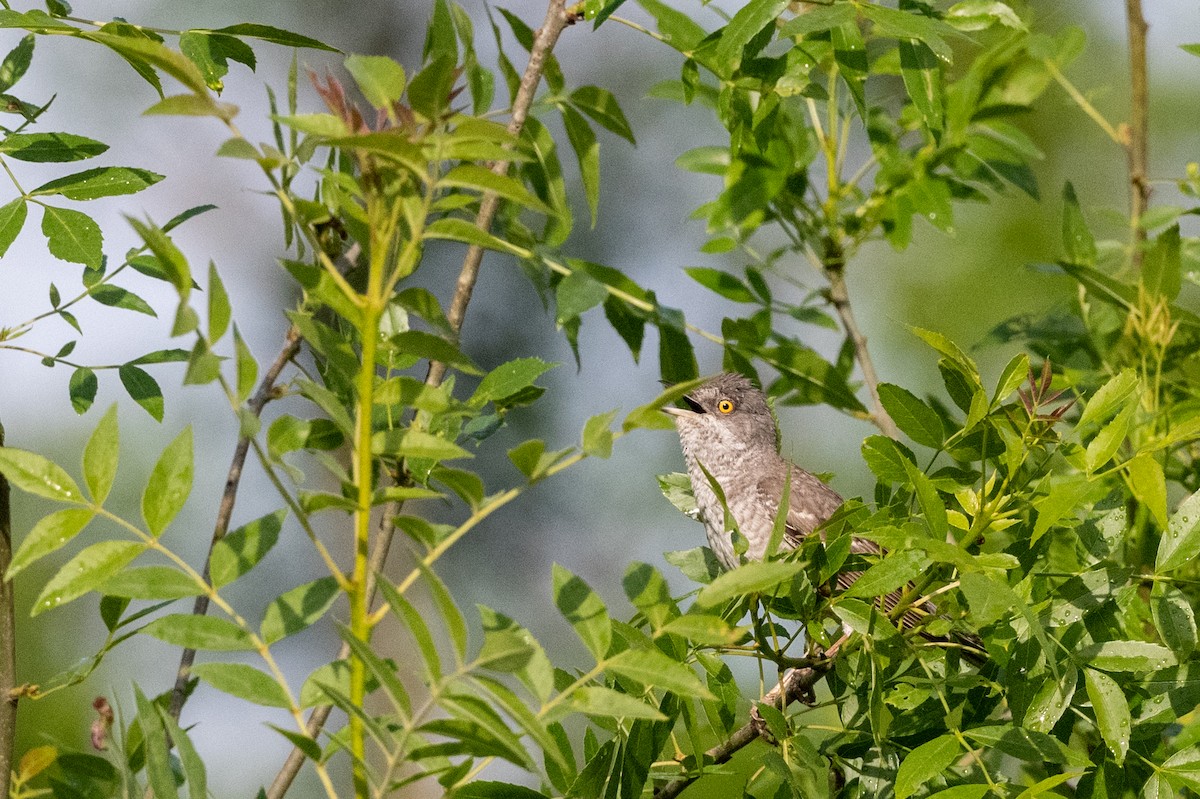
243, 681
886, 458
12, 219
170, 483
1114, 394
199, 632
895, 570
73, 236
916, 419
924, 763
87, 570
106, 181
577, 293
508, 379
654, 669
38, 475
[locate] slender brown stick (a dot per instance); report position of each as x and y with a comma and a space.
233, 479
557, 18
1138, 144
835, 272
795, 684
8, 647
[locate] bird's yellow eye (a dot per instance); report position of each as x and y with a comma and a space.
725, 406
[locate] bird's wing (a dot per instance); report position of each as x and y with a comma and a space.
810, 503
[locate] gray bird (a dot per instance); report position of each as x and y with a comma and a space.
727, 429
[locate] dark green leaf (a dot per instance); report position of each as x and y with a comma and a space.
576, 293
50, 147
73, 236
508, 379
16, 63
240, 551
584, 609
117, 297
602, 106
742, 28
248, 30
722, 283
298, 608
92, 184
918, 421
927, 761
1078, 244
83, 386
1112, 711
143, 389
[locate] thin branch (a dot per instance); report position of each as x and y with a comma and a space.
233, 479
557, 18
1137, 145
835, 272
8, 648
795, 684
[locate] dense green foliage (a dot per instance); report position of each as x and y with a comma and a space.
1054, 514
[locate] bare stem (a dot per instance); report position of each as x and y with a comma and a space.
835, 272
1137, 144
795, 684
557, 18
8, 649
233, 479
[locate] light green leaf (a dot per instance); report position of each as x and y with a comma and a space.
1127, 656
587, 153
219, 312
924, 763
508, 379
597, 435
1014, 374
170, 483
298, 608
1149, 486
1112, 711
244, 682
744, 26
886, 458
462, 230
247, 367
1110, 438
379, 78
750, 578
12, 219
722, 283
702, 629
1174, 619
240, 551
1161, 269
414, 443
73, 236
106, 181
654, 669
38, 475
51, 533
199, 632
596, 700
158, 758
152, 582
1050, 701
1078, 244
87, 570
470, 176
895, 570
1114, 394
576, 293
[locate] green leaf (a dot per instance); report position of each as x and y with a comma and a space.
722, 283
152, 582
596, 700
584, 609
464, 231
930, 502
927, 761
749, 578
587, 153
1178, 545
298, 608
699, 565
37, 475
485, 789
154, 746
922, 75
267, 33
107, 181
82, 387
87, 570
702, 629
12, 219
379, 78
143, 389
1161, 269
240, 551
508, 379
219, 312
435, 348
1013, 375
1126, 656
192, 105
819, 18
899, 24
16, 63
576, 293
893, 571
916, 419
1174, 619
1110, 438
597, 436
199, 632
244, 682
117, 297
744, 26
414, 622
51, 533
887, 458
1078, 244
601, 105
170, 483
654, 669
50, 147
1149, 486
414, 443
1050, 701
1112, 711
73, 236
470, 176
247, 367
1116, 393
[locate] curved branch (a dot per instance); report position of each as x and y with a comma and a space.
796, 684
233, 479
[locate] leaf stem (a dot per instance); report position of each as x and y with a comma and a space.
1137, 143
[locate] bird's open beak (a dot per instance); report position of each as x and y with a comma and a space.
693, 408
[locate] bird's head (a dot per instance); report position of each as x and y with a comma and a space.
727, 411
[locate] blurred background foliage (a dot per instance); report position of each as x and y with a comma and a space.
602, 515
